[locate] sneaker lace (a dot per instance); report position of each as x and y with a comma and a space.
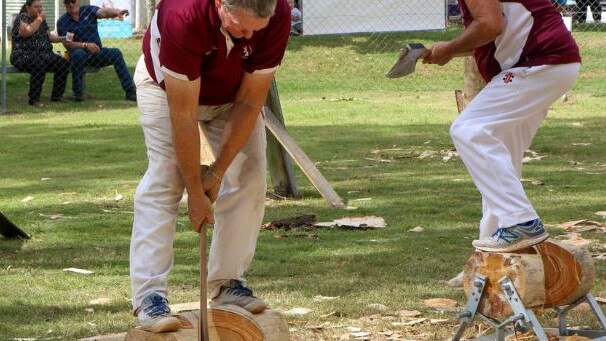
239, 290
158, 307
499, 234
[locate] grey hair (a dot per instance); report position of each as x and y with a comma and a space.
259, 8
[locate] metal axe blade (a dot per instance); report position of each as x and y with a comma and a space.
407, 61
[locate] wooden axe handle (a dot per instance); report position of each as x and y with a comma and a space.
203, 325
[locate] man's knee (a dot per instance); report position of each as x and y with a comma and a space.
78, 59
114, 54
466, 132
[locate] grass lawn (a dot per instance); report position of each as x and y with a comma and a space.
64, 167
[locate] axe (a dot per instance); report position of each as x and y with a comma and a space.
407, 61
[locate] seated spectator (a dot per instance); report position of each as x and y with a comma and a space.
79, 25
296, 19
32, 52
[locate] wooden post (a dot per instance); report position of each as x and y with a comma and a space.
10, 230
279, 163
302, 160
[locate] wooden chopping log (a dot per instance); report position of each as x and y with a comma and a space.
547, 275
226, 323
569, 272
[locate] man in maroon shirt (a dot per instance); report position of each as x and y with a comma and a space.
529, 60
201, 83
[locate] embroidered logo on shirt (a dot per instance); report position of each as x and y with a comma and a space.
508, 78
246, 51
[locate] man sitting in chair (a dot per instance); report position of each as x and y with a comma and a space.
79, 26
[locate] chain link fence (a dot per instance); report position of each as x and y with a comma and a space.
48, 56
376, 25
377, 22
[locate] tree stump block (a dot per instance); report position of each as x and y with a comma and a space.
547, 275
226, 323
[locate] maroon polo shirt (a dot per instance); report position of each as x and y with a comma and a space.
185, 40
534, 34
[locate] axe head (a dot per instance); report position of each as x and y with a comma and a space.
407, 61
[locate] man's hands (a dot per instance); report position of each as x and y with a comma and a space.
440, 53
211, 182
123, 13
92, 48
200, 206
200, 210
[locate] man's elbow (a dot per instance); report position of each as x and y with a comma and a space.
494, 28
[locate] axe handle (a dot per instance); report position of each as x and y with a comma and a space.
203, 325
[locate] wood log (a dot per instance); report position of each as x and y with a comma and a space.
226, 323
569, 272
547, 275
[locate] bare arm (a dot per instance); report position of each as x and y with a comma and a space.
54, 38
183, 105
487, 25
243, 118
27, 30
104, 13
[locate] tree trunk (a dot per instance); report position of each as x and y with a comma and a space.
279, 164
151, 8
548, 275
472, 84
226, 323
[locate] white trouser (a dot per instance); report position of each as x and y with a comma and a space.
495, 129
238, 209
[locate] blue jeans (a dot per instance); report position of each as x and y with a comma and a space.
81, 58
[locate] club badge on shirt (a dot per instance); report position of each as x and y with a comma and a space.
508, 77
246, 51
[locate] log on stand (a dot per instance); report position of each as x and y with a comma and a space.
547, 275
226, 323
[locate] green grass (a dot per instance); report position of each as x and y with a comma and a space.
339, 107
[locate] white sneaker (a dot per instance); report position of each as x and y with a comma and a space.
237, 294
513, 238
154, 315
456, 281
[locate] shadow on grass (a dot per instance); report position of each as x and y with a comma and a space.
103, 91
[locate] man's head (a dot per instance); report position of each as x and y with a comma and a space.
241, 18
72, 6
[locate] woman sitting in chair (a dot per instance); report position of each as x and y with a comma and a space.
32, 52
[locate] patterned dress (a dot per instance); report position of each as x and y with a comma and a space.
34, 55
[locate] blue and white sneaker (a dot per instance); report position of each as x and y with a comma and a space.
236, 293
154, 315
513, 238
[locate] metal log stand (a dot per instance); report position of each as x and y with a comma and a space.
522, 318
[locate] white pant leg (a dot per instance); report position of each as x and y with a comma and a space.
240, 205
157, 195
517, 142
493, 131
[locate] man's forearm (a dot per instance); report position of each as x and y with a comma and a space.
186, 139
486, 26
474, 36
183, 106
242, 121
243, 118
104, 13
